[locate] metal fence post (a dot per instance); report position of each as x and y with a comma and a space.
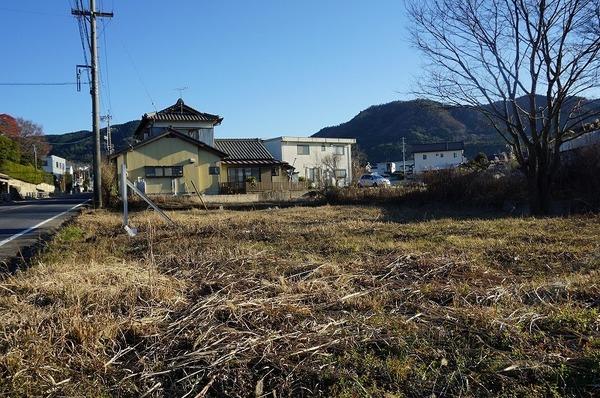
124, 193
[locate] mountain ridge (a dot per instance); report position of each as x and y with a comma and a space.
378, 129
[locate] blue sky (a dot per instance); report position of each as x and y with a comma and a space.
269, 67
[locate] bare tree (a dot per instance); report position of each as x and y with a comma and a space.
330, 164
525, 64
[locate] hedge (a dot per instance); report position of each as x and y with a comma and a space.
25, 173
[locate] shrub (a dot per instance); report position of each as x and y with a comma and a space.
474, 187
578, 180
26, 173
110, 187
454, 186
9, 150
380, 195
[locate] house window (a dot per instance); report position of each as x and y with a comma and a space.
340, 173
455, 154
424, 157
241, 174
313, 174
275, 171
338, 150
214, 171
163, 171
441, 155
303, 150
323, 148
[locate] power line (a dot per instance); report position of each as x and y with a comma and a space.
21, 11
71, 142
138, 73
106, 74
39, 84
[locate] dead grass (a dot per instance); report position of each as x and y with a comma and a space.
330, 301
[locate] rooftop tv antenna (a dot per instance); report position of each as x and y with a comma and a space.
181, 90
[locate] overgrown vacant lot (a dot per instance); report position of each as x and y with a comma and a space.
329, 301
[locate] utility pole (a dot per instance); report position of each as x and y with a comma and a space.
35, 155
94, 91
403, 158
107, 119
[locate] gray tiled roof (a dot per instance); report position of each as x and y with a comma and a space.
180, 112
438, 147
243, 149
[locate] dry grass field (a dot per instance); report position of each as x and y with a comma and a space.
342, 301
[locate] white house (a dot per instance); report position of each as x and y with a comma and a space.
387, 168
319, 160
443, 155
55, 165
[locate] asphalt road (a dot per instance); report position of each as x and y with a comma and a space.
23, 224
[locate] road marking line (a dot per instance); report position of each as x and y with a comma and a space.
15, 236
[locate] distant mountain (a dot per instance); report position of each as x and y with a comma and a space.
379, 129
78, 146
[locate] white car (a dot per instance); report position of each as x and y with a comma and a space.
373, 180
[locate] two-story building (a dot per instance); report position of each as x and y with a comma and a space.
54, 165
436, 156
182, 118
322, 161
176, 153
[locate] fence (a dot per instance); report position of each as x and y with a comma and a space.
229, 188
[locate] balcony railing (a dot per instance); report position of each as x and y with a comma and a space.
230, 188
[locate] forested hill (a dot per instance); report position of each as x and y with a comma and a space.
78, 146
379, 129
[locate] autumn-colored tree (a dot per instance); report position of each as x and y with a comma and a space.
28, 135
9, 126
31, 135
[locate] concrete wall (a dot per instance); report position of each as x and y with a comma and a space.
28, 190
170, 151
253, 197
437, 160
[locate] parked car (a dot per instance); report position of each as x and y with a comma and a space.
373, 180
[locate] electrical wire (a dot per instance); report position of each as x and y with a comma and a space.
21, 11
39, 84
104, 77
138, 73
71, 142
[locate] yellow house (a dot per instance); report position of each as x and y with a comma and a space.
177, 153
169, 162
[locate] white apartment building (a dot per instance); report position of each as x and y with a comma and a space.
443, 155
322, 161
55, 165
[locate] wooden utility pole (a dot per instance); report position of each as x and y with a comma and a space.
403, 158
94, 91
107, 119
